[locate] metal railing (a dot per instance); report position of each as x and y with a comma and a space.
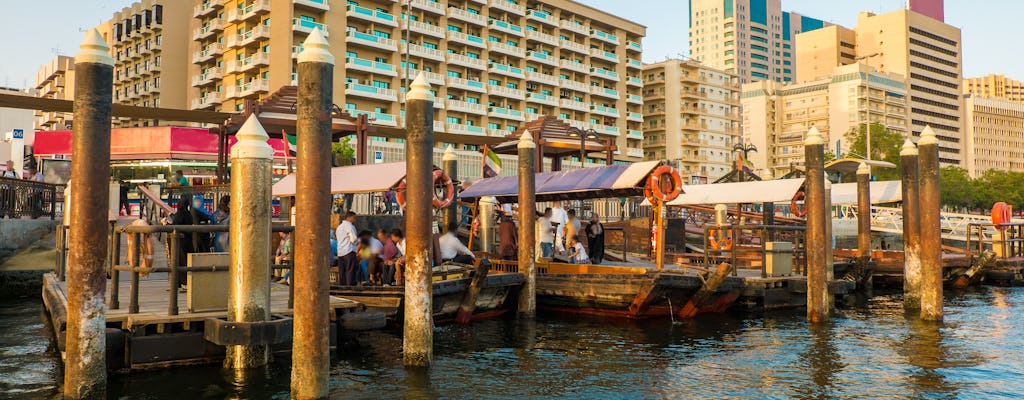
1006, 240
744, 247
25, 198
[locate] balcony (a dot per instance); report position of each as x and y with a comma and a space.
248, 63
508, 6
605, 36
604, 55
423, 28
212, 75
376, 118
255, 86
542, 17
634, 134
607, 130
573, 105
634, 116
542, 37
634, 99
319, 5
506, 27
466, 16
433, 77
506, 113
604, 92
466, 61
370, 15
635, 152
232, 92
208, 54
307, 26
541, 78
370, 92
635, 46
542, 58
211, 99
465, 84
466, 39
542, 99
206, 8
506, 70
254, 35
462, 129
429, 5
210, 29
574, 85
373, 67
634, 81
466, 107
506, 49
605, 73
631, 63
507, 92
574, 27
573, 46
439, 104
574, 66
606, 111
258, 7
416, 50
366, 39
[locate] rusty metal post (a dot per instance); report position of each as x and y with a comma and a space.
911, 227
249, 291
527, 225
817, 216
450, 165
931, 226
85, 373
311, 329
418, 338
659, 255
864, 211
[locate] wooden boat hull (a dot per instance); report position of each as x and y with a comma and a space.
499, 295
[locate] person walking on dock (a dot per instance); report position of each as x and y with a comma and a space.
220, 217
348, 241
546, 234
7, 196
595, 239
186, 244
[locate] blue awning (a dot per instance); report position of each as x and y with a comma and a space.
587, 183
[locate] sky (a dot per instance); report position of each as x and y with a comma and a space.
990, 44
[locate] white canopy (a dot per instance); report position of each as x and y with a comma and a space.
777, 191
362, 178
881, 192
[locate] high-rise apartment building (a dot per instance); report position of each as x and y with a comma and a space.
55, 80
925, 50
149, 41
493, 64
750, 38
994, 138
776, 117
995, 86
691, 116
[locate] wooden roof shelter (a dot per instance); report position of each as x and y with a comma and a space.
554, 140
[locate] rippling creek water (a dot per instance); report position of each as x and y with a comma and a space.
870, 351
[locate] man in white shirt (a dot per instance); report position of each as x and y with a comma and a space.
348, 240
545, 234
559, 217
452, 248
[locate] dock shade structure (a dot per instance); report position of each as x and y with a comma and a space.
881, 192
364, 178
779, 191
579, 184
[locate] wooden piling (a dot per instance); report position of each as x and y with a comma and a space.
418, 335
864, 211
911, 227
450, 165
817, 215
468, 306
311, 329
931, 227
85, 369
527, 225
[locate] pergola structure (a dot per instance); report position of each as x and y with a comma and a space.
557, 139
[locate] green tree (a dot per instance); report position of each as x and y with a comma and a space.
957, 189
343, 153
885, 146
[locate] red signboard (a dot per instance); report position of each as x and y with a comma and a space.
157, 143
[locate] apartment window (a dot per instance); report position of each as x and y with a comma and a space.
381, 84
382, 34
454, 120
454, 28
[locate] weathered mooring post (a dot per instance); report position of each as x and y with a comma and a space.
864, 211
931, 226
311, 329
450, 165
249, 291
911, 227
768, 210
527, 225
817, 216
486, 207
85, 373
418, 344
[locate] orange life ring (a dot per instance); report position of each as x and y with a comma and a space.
442, 179
1001, 214
146, 256
400, 194
657, 178
725, 244
648, 195
798, 211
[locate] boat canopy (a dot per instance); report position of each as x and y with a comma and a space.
364, 178
774, 191
579, 184
881, 192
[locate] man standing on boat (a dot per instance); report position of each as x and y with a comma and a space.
559, 217
545, 234
348, 239
452, 248
572, 228
508, 234
595, 239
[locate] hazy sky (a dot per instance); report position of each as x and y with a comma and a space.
34, 31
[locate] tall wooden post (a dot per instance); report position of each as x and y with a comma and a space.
249, 292
527, 225
864, 211
311, 331
418, 344
931, 227
817, 215
659, 255
85, 374
911, 227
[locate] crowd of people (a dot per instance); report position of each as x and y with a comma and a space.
560, 235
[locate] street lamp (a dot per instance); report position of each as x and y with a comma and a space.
745, 149
583, 134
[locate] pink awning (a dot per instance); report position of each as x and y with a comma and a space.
149, 143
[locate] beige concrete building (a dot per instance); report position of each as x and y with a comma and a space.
691, 116
994, 86
493, 64
149, 41
926, 51
994, 138
776, 117
750, 38
55, 80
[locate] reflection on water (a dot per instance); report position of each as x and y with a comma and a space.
871, 351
